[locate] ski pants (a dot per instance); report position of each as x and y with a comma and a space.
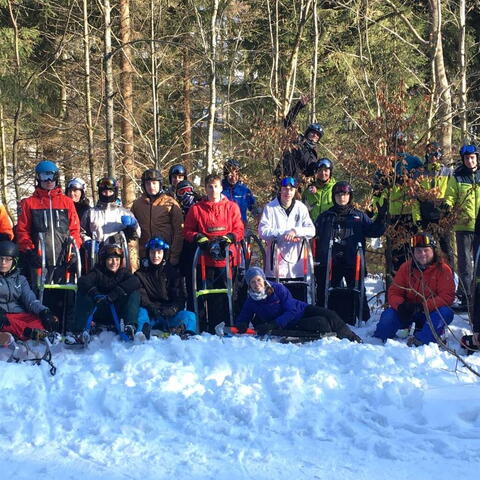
126, 307
465, 263
19, 322
390, 322
183, 317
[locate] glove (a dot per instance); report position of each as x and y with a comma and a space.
168, 311
228, 238
265, 328
202, 241
99, 299
33, 258
407, 310
382, 209
49, 320
445, 208
129, 221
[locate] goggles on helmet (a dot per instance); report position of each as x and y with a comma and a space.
184, 191
343, 189
289, 182
47, 176
113, 250
422, 240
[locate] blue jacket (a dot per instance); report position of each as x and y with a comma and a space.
241, 195
279, 306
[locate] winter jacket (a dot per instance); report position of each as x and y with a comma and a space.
161, 288
274, 224
82, 207
105, 220
16, 296
102, 281
278, 306
407, 162
321, 200
162, 217
215, 219
435, 283
298, 160
6, 227
241, 195
355, 227
49, 212
463, 191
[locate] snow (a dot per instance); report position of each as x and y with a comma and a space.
240, 408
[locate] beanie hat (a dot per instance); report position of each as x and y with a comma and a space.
253, 272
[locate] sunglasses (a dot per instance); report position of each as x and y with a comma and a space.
47, 176
289, 182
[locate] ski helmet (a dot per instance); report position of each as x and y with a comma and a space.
314, 127
156, 243
423, 240
107, 183
230, 165
468, 150
8, 249
177, 169
77, 184
342, 187
151, 174
109, 250
289, 182
323, 163
184, 188
45, 171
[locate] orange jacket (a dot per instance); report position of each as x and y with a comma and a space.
435, 283
5, 223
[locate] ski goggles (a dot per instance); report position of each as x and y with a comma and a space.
113, 251
107, 184
289, 182
184, 191
342, 189
422, 241
47, 176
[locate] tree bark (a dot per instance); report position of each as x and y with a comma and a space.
463, 72
314, 71
187, 111
154, 85
4, 160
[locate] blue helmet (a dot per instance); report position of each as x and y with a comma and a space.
468, 150
323, 163
157, 243
45, 171
315, 127
177, 169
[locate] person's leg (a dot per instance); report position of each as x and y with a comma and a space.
186, 318
440, 319
388, 324
127, 308
19, 322
320, 278
465, 263
84, 306
142, 319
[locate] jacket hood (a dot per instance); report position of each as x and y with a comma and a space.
42, 193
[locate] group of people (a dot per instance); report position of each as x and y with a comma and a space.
56, 229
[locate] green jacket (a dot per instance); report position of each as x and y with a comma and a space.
463, 191
320, 201
399, 200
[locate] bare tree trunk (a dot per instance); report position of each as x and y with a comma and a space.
4, 160
126, 85
88, 99
463, 71
274, 73
314, 72
109, 117
154, 81
187, 110
443, 87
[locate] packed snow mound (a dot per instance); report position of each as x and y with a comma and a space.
240, 408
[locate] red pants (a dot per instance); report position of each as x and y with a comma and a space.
20, 321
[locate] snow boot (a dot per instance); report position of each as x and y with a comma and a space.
471, 343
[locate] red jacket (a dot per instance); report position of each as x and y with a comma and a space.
215, 219
49, 212
435, 283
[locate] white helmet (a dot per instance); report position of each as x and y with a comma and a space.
77, 183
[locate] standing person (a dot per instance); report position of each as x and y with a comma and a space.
236, 191
298, 161
463, 195
318, 196
285, 224
186, 196
345, 227
176, 174
215, 224
423, 283
49, 212
76, 189
159, 215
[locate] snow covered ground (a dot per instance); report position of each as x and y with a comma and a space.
239, 408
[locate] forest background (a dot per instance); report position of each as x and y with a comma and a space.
115, 87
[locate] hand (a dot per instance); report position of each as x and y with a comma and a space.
382, 209
290, 236
202, 241
33, 258
265, 328
49, 320
228, 238
129, 221
304, 99
407, 310
72, 260
312, 189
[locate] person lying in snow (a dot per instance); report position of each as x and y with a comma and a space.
274, 308
21, 313
425, 282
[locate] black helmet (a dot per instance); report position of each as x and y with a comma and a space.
107, 183
342, 187
8, 249
314, 127
423, 240
323, 163
177, 169
230, 165
151, 174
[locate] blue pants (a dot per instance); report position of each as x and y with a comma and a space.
183, 317
390, 322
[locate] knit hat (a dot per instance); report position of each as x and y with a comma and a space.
253, 272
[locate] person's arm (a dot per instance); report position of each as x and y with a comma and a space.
176, 221
373, 228
266, 227
28, 299
397, 293
191, 226
24, 239
237, 225
293, 112
305, 227
246, 314
445, 296
6, 227
288, 307
73, 223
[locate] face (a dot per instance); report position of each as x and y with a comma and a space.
6, 264
108, 192
214, 190
233, 177
156, 256
342, 198
152, 187
113, 263
48, 184
323, 174
423, 255
176, 179
313, 136
257, 284
470, 160
287, 194
75, 194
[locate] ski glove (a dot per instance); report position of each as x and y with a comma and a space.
382, 209
407, 310
4, 322
228, 239
33, 258
129, 221
265, 328
202, 241
49, 320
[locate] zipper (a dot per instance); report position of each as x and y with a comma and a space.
52, 230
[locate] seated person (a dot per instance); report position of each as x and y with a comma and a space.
274, 308
21, 313
162, 301
425, 282
107, 283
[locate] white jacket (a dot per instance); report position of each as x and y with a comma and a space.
273, 225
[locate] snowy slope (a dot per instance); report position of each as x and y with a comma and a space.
211, 408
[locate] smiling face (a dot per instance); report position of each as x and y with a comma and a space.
156, 256
313, 136
470, 161
323, 174
423, 255
113, 263
257, 284
75, 194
